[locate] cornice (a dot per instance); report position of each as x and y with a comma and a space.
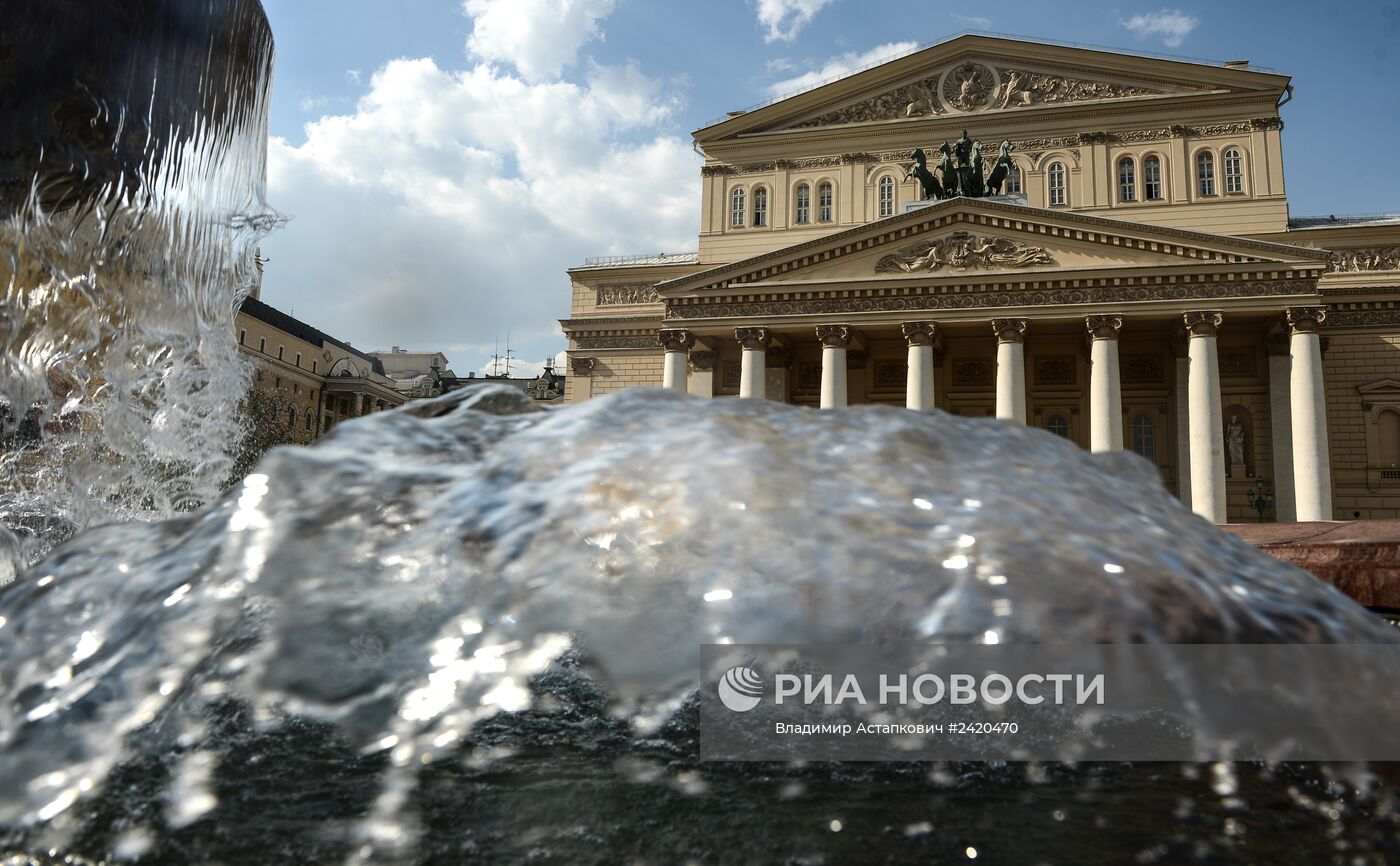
932, 299
951, 213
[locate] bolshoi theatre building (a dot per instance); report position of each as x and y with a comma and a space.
1094, 243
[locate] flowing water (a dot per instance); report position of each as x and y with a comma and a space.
132, 164
469, 626
467, 630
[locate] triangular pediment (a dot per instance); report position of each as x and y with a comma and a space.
979, 75
963, 238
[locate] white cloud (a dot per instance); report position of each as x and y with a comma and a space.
839, 66
311, 103
448, 205
1172, 25
784, 19
352, 76
540, 38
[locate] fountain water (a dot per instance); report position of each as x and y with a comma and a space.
469, 630
131, 201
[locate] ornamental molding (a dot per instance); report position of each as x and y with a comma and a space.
1361, 259
640, 341
1368, 316
988, 298
627, 294
963, 251
582, 366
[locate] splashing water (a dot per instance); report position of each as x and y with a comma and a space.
132, 164
438, 620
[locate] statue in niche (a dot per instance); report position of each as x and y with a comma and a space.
1234, 440
928, 184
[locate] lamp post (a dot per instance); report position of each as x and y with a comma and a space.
1261, 497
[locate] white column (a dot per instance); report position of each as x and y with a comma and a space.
1011, 369
1207, 434
1312, 470
919, 391
677, 343
702, 374
581, 375
1105, 388
834, 339
1281, 425
753, 368
1183, 428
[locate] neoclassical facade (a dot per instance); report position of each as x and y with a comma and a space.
1137, 284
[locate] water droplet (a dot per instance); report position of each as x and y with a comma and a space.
718, 595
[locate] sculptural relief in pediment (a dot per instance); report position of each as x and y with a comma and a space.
972, 86
963, 251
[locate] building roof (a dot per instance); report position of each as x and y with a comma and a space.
270, 315
1333, 220
639, 261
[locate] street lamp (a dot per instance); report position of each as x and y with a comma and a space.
1261, 497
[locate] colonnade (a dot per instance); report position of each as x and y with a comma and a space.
1306, 398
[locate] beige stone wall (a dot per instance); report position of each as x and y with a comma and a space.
615, 370
1354, 359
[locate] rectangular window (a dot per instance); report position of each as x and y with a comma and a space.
1205, 174
313, 366
760, 207
804, 204
262, 345
298, 359
1127, 184
824, 203
279, 353
1013, 182
241, 335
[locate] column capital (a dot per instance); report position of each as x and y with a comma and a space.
1305, 320
675, 339
754, 338
582, 366
702, 361
920, 333
1010, 330
1104, 326
835, 336
1202, 323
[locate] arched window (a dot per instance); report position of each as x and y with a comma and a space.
1056, 424
803, 198
760, 206
1389, 423
1014, 182
1233, 163
1127, 180
1057, 184
886, 196
1152, 178
824, 203
1205, 173
1145, 438
292, 417
736, 208
310, 420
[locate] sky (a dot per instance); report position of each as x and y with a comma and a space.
443, 162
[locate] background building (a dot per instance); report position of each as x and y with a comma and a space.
1139, 283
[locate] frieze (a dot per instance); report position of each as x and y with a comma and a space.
1021, 89
644, 341
972, 372
990, 299
1364, 259
891, 375
1238, 363
912, 100
963, 251
1362, 318
633, 293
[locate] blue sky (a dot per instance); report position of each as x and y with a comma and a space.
444, 161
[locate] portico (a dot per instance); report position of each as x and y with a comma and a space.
1078, 339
